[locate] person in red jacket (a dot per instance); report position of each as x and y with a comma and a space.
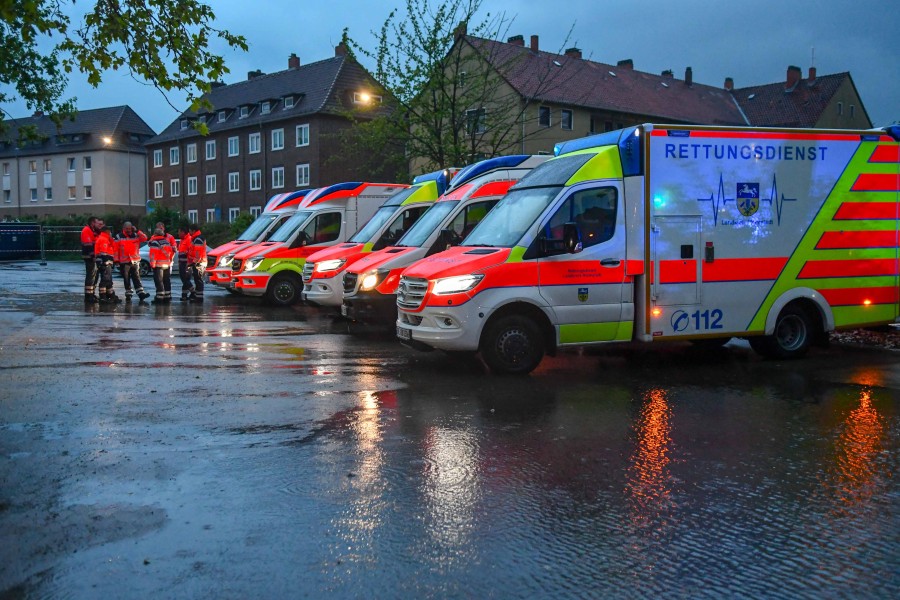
128, 244
197, 262
161, 253
184, 247
105, 254
88, 238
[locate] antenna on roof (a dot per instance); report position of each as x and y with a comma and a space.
812, 60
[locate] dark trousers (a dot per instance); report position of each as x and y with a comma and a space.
197, 274
185, 274
106, 276
90, 275
162, 279
131, 274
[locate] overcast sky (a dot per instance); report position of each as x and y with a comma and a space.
752, 41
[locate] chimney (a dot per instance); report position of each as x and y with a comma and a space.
516, 40
668, 73
534, 43
293, 61
38, 113
573, 52
626, 64
812, 75
341, 49
688, 76
216, 84
793, 77
254, 74
461, 30
729, 84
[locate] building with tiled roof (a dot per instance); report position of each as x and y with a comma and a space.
94, 164
270, 134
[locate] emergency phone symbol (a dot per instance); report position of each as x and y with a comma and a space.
680, 320
748, 198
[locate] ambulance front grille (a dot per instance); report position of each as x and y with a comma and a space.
411, 292
236, 265
350, 282
308, 271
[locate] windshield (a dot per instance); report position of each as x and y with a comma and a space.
369, 230
290, 226
426, 224
510, 219
257, 227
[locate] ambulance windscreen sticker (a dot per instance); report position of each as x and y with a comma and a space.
748, 198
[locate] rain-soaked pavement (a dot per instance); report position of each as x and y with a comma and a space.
235, 451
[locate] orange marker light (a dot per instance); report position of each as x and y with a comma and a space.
867, 302
656, 312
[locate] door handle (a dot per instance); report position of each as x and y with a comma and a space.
610, 262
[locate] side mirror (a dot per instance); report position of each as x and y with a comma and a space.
446, 239
302, 240
572, 238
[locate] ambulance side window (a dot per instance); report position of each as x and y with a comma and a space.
469, 217
399, 226
323, 229
594, 211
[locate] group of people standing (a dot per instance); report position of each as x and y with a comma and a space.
102, 252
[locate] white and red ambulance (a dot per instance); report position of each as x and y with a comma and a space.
672, 232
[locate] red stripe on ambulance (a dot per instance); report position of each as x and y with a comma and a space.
832, 240
867, 211
876, 182
861, 296
860, 267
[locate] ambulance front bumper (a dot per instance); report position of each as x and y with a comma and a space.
324, 292
453, 329
251, 284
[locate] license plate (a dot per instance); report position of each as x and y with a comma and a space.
345, 310
404, 334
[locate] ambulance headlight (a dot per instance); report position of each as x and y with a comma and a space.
253, 263
372, 278
226, 260
330, 265
456, 285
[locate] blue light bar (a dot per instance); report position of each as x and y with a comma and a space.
628, 140
610, 138
893, 131
442, 178
501, 162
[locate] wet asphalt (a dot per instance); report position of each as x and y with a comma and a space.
236, 450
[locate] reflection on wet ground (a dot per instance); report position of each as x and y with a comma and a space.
235, 450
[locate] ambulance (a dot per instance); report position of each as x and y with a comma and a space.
370, 284
325, 217
672, 232
324, 270
278, 209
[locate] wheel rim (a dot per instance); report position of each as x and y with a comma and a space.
791, 333
285, 291
514, 346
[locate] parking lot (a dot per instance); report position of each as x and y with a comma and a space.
235, 450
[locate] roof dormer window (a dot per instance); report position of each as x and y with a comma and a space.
265, 107
245, 112
184, 124
288, 102
222, 116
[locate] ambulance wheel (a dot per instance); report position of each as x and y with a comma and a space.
284, 289
792, 337
144, 268
512, 344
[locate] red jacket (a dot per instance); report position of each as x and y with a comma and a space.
129, 246
184, 247
197, 251
104, 247
88, 238
161, 252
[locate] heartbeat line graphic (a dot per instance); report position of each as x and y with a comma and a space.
718, 200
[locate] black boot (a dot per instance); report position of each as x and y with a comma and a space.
128, 298
143, 296
91, 299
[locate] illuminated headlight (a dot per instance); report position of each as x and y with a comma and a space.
253, 263
371, 279
226, 260
330, 265
456, 285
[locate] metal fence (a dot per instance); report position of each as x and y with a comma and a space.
30, 241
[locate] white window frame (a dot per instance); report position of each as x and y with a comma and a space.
265, 107
192, 215
301, 168
70, 162
234, 146
192, 186
48, 165
478, 125
48, 194
234, 181
88, 192
359, 98
211, 184
157, 158
158, 189
222, 116
254, 143
174, 188
191, 151
255, 179
86, 163
210, 149
288, 102
34, 194
233, 214
245, 112
255, 211
277, 178
302, 135
278, 139
210, 215
174, 155
73, 192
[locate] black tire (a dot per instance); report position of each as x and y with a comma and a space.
512, 344
144, 268
792, 338
284, 289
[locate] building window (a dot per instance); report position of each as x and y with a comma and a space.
32, 166
544, 116
192, 216
277, 177
565, 121
234, 146
6, 167
255, 211
210, 215
87, 163
34, 194
233, 214
210, 149
157, 158
184, 124
366, 98
288, 102
222, 116
48, 194
47, 160
192, 186
88, 193
255, 180
157, 189
72, 194
192, 153
840, 108
277, 139
476, 121
210, 184
852, 110
71, 164
174, 187
303, 175
264, 108
303, 135
234, 181
7, 196
174, 155
245, 112
253, 144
